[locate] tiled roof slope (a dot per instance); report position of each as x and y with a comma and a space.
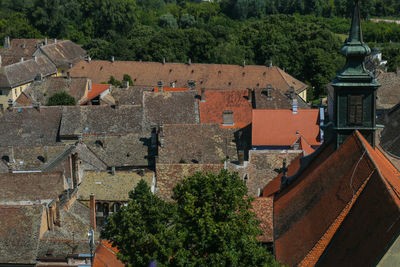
389, 92
263, 208
345, 210
197, 143
106, 255
106, 186
218, 101
21, 48
16, 187
30, 158
30, 127
283, 127
132, 95
390, 136
98, 119
170, 107
121, 150
19, 233
209, 76
24, 72
63, 53
41, 91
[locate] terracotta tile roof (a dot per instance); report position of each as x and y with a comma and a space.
106, 186
169, 175
263, 208
25, 72
19, 233
283, 127
121, 150
41, 91
170, 108
96, 90
29, 127
30, 187
218, 101
106, 256
390, 137
197, 143
99, 119
388, 94
209, 76
313, 217
63, 53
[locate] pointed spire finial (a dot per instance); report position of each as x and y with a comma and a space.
355, 30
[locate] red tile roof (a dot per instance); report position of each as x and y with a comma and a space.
282, 127
106, 256
324, 215
97, 89
263, 208
217, 101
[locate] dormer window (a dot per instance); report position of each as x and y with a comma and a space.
355, 109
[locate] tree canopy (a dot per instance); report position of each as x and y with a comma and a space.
210, 223
61, 98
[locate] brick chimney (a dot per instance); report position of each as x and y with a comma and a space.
203, 95
160, 86
92, 212
7, 44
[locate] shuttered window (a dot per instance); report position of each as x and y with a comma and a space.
355, 110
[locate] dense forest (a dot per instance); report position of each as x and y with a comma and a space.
303, 37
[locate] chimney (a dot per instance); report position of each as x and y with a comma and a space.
269, 89
46, 153
37, 106
161, 129
90, 85
241, 157
244, 63
125, 84
80, 138
92, 212
70, 65
294, 106
55, 40
23, 46
112, 58
270, 64
68, 75
21, 59
104, 134
191, 84
203, 95
160, 86
35, 58
88, 58
45, 41
189, 61
7, 42
10, 104
0, 60
116, 104
11, 151
113, 170
163, 60
250, 95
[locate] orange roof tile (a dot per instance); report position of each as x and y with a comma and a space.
97, 89
217, 101
263, 208
106, 255
281, 127
305, 146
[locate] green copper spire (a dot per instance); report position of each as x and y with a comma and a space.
355, 52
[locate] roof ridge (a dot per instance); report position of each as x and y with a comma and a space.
315, 253
280, 73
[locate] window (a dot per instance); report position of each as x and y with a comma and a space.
355, 109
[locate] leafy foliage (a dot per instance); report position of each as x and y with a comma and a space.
210, 223
61, 98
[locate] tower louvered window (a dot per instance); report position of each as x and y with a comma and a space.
355, 110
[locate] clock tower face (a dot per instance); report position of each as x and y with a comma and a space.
355, 88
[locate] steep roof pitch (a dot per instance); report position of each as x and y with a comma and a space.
30, 127
388, 94
283, 127
63, 53
106, 186
170, 107
218, 101
263, 208
209, 76
19, 233
197, 143
41, 91
121, 150
30, 187
24, 72
95, 91
106, 255
132, 95
316, 228
99, 119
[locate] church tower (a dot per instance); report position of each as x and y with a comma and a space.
355, 88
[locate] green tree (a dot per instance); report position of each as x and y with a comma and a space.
128, 78
61, 98
168, 21
210, 223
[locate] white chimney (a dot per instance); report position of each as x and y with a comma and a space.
294, 106
7, 42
